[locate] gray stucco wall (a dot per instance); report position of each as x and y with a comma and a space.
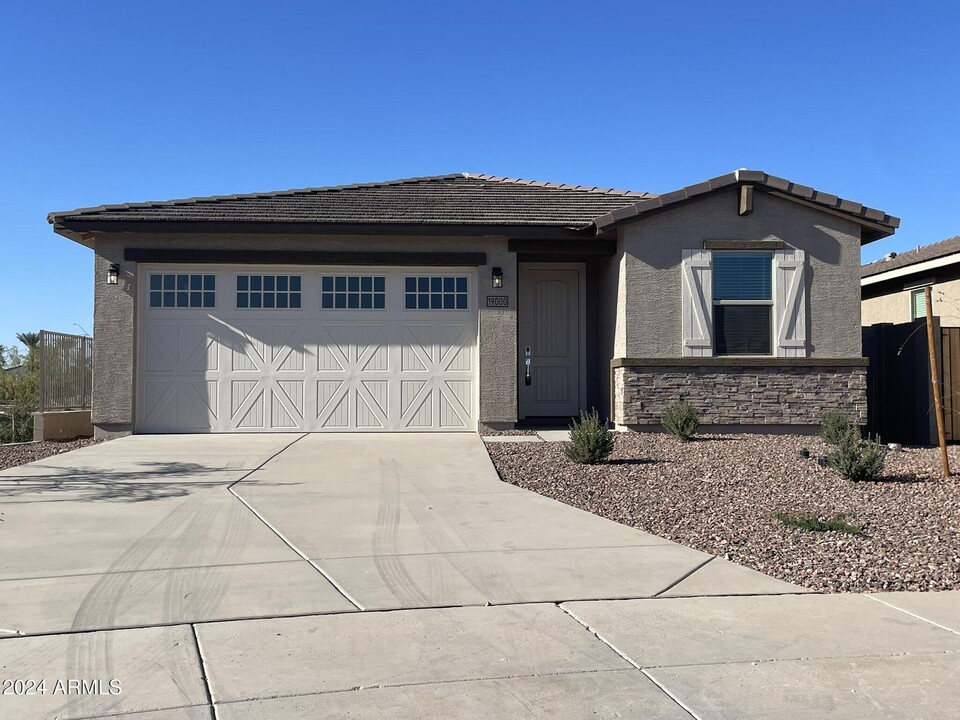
115, 312
650, 302
895, 307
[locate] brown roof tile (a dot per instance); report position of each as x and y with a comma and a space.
463, 199
912, 257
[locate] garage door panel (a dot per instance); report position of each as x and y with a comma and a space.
384, 369
176, 404
181, 348
334, 406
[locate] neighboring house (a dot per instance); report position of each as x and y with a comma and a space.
466, 301
17, 370
893, 288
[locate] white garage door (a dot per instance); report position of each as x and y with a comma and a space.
306, 349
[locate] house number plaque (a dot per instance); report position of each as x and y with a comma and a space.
498, 301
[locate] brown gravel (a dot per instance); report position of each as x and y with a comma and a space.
498, 433
23, 453
718, 494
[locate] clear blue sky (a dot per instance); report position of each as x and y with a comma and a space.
105, 102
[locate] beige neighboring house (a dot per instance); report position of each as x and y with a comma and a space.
463, 302
892, 288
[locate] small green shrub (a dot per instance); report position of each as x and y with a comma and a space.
590, 440
681, 420
855, 458
812, 523
833, 426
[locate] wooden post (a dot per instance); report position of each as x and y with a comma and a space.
935, 379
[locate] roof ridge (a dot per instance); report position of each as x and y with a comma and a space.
558, 186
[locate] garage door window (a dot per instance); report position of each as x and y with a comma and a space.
181, 290
271, 292
353, 292
448, 292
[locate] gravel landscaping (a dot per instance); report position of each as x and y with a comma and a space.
719, 493
23, 453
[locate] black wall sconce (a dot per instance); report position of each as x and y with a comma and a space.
497, 277
113, 274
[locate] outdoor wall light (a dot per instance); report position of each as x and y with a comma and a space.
113, 274
497, 277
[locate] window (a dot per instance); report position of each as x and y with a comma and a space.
436, 293
742, 303
269, 292
918, 304
182, 290
353, 292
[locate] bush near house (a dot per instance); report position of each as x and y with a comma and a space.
681, 420
590, 440
855, 458
833, 426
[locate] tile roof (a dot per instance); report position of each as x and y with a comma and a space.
461, 199
912, 257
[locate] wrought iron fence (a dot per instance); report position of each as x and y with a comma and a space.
66, 371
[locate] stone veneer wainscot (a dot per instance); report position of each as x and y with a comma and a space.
729, 391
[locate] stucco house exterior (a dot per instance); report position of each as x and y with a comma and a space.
893, 287
464, 302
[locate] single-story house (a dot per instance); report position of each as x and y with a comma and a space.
464, 302
893, 287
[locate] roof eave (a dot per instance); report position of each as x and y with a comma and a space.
876, 224
79, 230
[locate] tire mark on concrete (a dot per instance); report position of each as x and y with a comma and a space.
185, 534
389, 564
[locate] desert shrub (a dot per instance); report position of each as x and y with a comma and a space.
855, 458
590, 440
813, 523
833, 426
681, 420
19, 396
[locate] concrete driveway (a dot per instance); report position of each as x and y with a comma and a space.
239, 573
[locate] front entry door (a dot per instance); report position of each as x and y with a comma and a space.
550, 316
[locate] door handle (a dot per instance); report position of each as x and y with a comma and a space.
527, 379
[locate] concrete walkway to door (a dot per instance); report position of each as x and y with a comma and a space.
237, 575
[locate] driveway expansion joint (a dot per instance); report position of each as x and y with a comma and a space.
297, 550
425, 683
204, 673
672, 585
670, 695
907, 612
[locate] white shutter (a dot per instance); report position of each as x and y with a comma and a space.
697, 303
789, 303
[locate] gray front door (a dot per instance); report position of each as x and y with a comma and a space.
549, 334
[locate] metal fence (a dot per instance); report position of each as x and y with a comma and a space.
66, 371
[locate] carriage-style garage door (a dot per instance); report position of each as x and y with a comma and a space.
306, 349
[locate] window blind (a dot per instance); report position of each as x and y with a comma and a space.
919, 304
742, 276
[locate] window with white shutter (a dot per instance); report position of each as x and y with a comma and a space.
696, 303
742, 303
790, 302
